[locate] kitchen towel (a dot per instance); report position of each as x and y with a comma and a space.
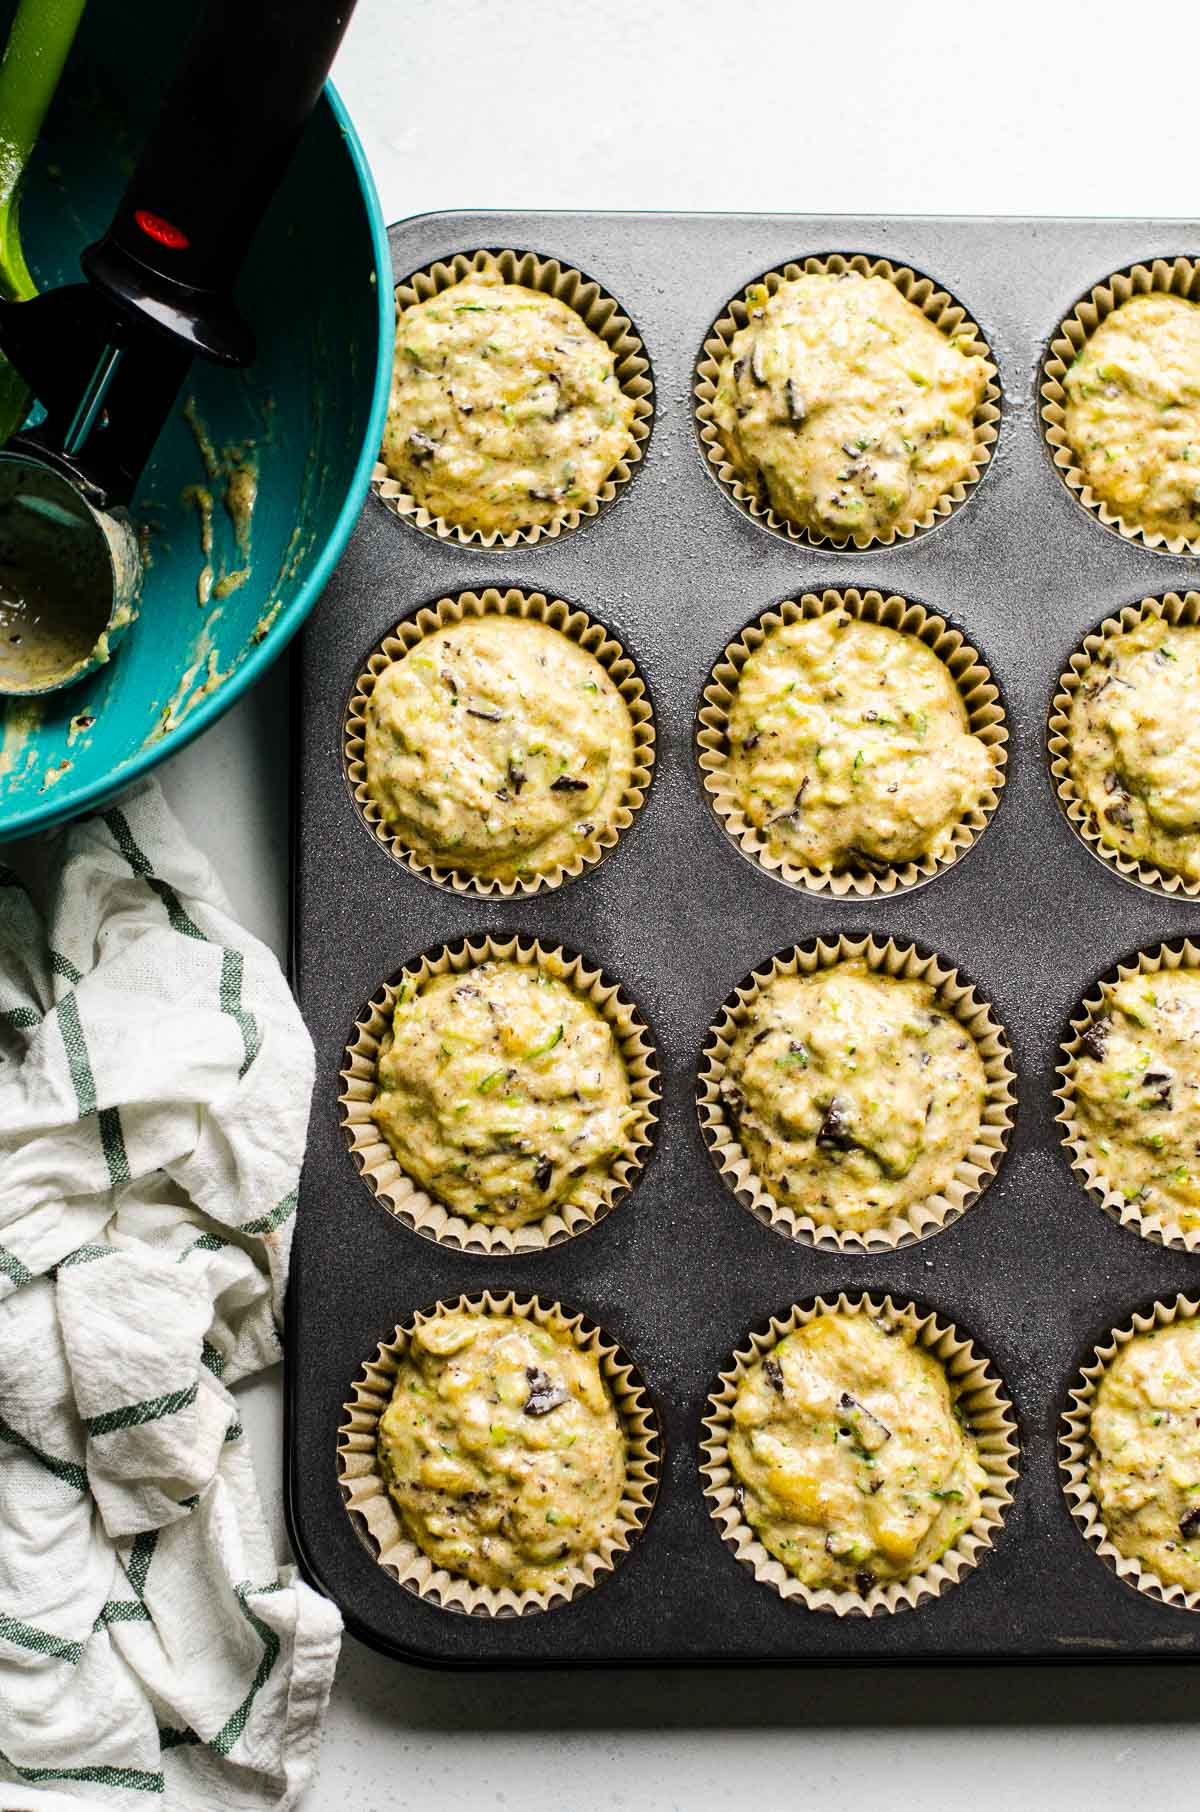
155, 1078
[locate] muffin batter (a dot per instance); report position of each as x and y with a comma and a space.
502, 1092
502, 1450
505, 409
1132, 416
849, 746
1135, 745
853, 1464
1137, 1093
853, 1094
1145, 1464
848, 410
498, 746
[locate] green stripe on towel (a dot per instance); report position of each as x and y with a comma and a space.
66, 1470
133, 1415
42, 1642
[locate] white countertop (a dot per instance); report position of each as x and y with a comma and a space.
887, 106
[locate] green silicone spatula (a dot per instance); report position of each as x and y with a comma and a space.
43, 32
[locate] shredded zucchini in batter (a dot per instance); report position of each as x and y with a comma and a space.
498, 746
1145, 1462
853, 1464
845, 407
853, 1094
502, 1449
849, 746
1137, 1093
506, 410
502, 1092
1135, 745
1133, 413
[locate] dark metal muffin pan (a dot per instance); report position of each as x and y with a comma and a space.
1034, 1272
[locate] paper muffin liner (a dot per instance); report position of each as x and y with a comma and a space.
532, 607
599, 311
400, 1195
1175, 277
976, 688
1074, 1451
937, 305
975, 1170
1179, 954
979, 1394
378, 1523
1177, 610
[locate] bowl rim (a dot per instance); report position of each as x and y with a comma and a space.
44, 810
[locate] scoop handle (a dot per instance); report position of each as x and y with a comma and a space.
250, 77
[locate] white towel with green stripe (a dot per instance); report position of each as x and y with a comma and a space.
154, 1090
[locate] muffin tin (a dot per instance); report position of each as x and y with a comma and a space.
679, 1274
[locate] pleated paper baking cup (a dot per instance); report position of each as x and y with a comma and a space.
378, 1523
981, 1400
976, 688
533, 607
1177, 610
401, 1195
1086, 1163
974, 1171
937, 305
599, 311
1075, 1452
1168, 277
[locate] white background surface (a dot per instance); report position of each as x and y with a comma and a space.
884, 106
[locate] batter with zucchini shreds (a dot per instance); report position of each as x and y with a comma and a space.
845, 407
1132, 415
854, 1467
498, 746
502, 1449
849, 746
506, 411
1137, 1093
502, 1092
1135, 745
853, 1094
1145, 1458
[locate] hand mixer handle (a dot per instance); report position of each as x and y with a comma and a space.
250, 77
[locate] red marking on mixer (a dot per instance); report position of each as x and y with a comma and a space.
155, 227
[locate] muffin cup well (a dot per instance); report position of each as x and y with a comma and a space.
531, 606
1180, 954
1177, 610
979, 1394
974, 1171
599, 311
373, 1156
1176, 277
976, 688
1074, 1452
937, 305
377, 1522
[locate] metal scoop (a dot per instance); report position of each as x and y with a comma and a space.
107, 358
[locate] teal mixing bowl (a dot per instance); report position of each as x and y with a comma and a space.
307, 417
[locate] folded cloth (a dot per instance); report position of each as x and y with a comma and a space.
155, 1078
